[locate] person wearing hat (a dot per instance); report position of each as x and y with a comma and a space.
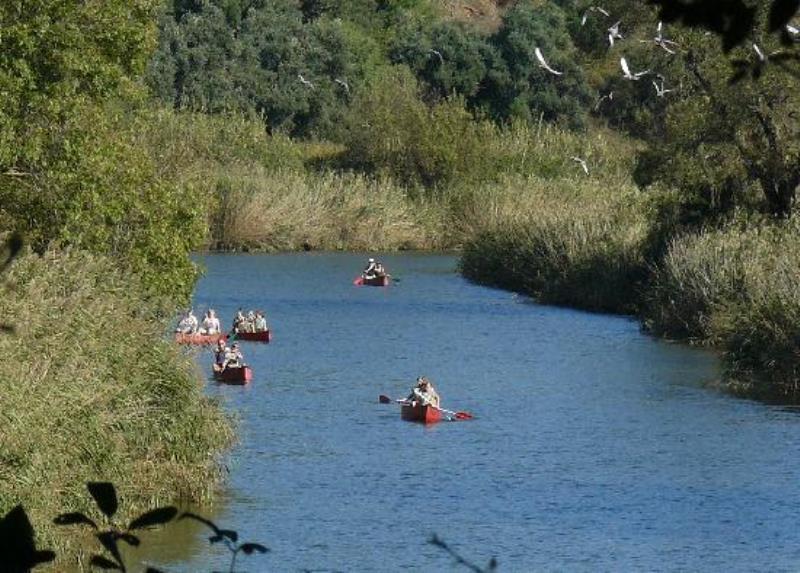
234, 358
371, 270
424, 393
260, 324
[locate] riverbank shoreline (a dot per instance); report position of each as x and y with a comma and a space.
730, 289
96, 393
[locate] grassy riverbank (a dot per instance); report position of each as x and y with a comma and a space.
92, 391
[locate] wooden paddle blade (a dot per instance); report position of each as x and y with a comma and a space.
463, 416
384, 399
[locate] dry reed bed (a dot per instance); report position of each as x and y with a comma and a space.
284, 210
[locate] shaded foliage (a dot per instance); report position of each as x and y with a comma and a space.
17, 543
732, 20
105, 497
228, 537
19, 553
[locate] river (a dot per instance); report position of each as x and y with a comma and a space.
593, 446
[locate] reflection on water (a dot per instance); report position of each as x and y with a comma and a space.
593, 446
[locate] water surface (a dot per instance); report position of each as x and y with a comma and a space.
593, 448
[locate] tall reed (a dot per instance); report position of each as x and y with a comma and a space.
92, 391
288, 210
737, 288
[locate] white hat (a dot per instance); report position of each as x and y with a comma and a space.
372, 260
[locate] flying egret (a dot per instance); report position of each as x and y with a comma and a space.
583, 164
660, 91
343, 83
660, 41
609, 96
593, 9
626, 72
613, 33
304, 81
438, 54
543, 63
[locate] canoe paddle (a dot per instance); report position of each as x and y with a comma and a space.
383, 399
456, 415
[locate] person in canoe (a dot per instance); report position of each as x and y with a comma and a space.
188, 323
221, 356
424, 393
250, 323
260, 323
370, 272
234, 358
210, 323
238, 321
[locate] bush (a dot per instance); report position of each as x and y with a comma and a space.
392, 132
101, 191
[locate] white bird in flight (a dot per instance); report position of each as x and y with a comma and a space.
613, 33
626, 72
762, 57
661, 41
660, 91
438, 54
609, 96
593, 9
543, 63
583, 164
343, 83
304, 81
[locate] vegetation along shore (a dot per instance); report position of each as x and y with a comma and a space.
134, 134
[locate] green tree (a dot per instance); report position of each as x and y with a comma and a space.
449, 57
72, 171
722, 139
391, 131
102, 193
531, 91
222, 55
54, 54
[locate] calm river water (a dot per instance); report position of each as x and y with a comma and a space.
593, 447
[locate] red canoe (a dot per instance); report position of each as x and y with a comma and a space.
420, 413
197, 338
264, 336
235, 375
375, 281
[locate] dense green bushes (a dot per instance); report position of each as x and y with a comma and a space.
103, 192
92, 391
